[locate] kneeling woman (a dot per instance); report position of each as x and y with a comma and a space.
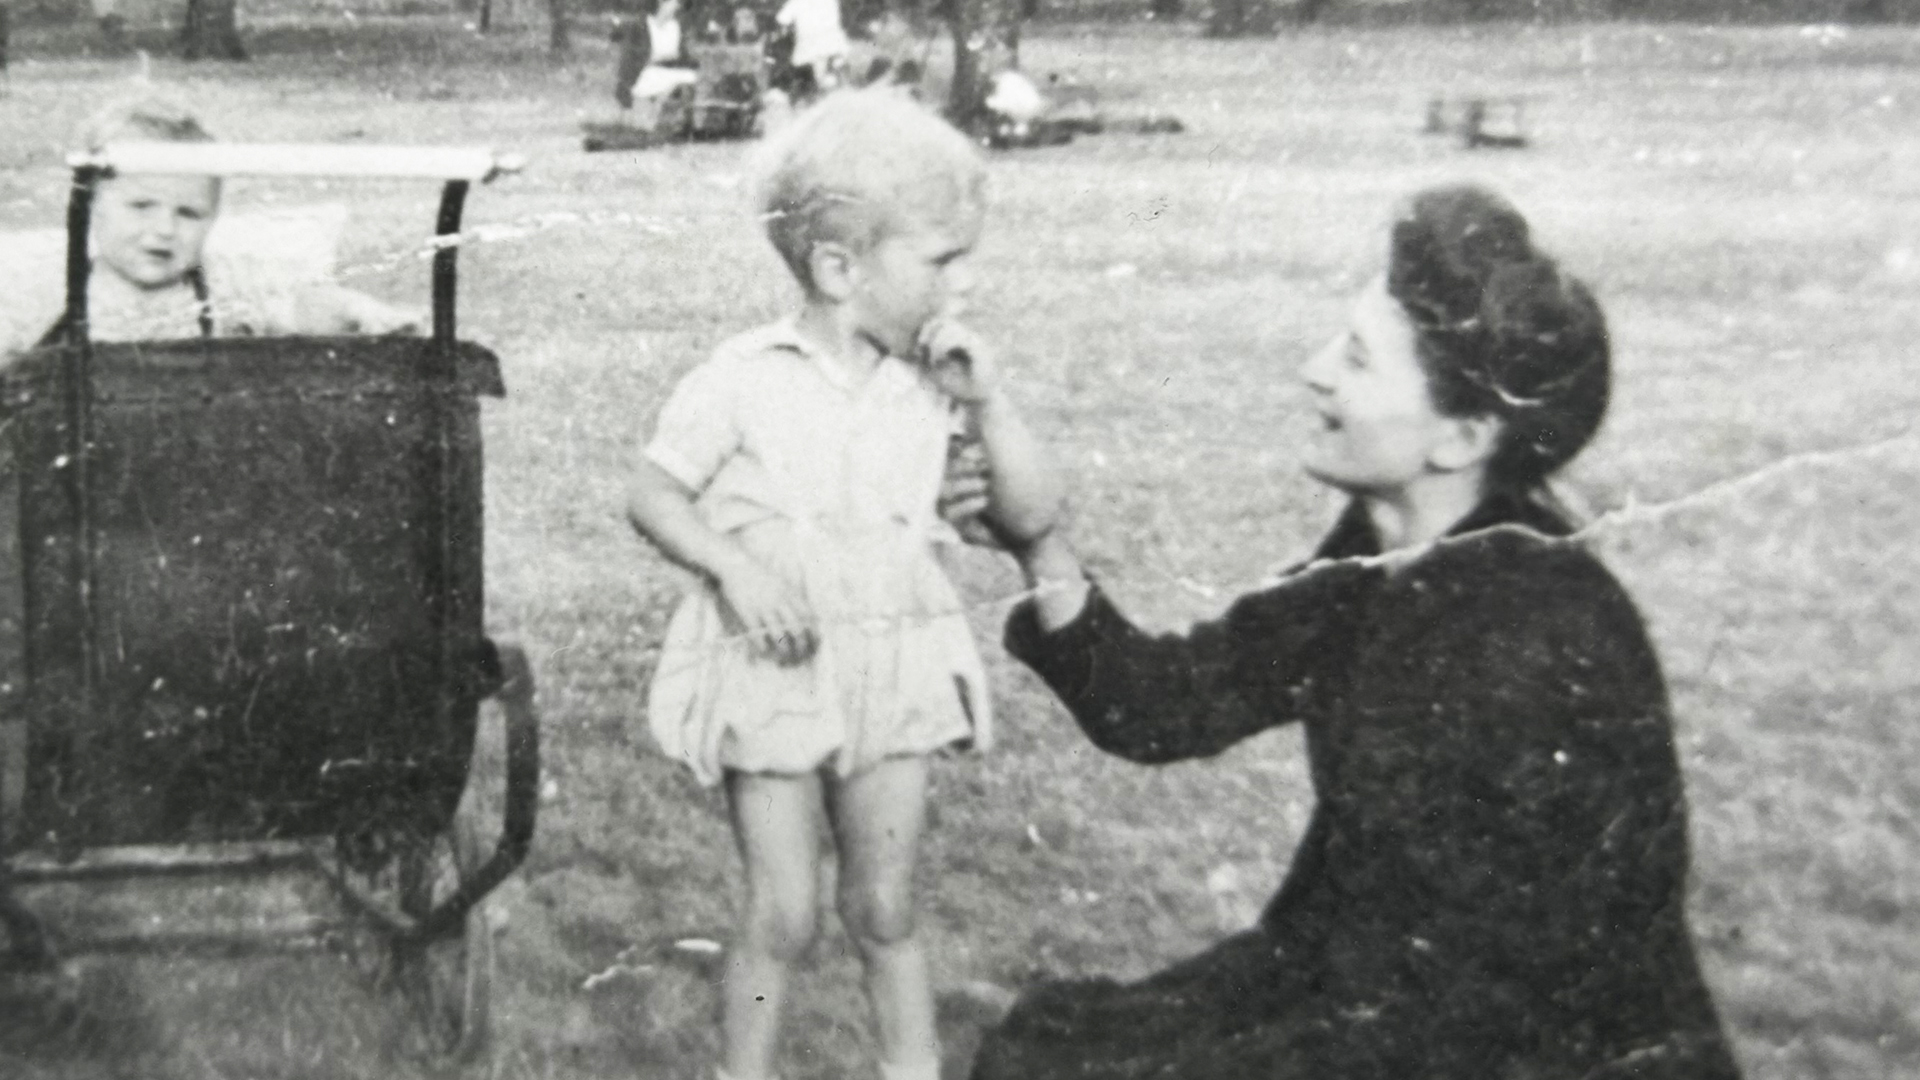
1492, 886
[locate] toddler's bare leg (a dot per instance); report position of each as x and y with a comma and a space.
776, 820
877, 818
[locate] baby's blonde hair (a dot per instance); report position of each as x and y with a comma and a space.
145, 117
859, 165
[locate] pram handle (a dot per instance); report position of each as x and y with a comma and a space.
299, 159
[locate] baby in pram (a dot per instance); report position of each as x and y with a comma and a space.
154, 277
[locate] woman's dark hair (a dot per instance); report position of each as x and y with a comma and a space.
1501, 330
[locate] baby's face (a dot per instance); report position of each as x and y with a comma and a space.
149, 229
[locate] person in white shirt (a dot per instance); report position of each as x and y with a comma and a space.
819, 41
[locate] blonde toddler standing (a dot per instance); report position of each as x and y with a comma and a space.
797, 472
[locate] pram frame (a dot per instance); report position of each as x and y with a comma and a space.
391, 894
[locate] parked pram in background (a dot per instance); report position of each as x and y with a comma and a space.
1014, 112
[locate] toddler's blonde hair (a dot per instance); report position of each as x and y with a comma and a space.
859, 165
144, 117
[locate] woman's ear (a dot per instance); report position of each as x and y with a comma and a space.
1466, 442
834, 270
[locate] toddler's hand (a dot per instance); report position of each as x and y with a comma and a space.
959, 360
774, 616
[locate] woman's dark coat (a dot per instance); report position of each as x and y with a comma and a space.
1492, 885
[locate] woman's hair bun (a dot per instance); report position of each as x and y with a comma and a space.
1502, 330
1446, 247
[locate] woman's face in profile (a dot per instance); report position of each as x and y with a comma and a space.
1377, 422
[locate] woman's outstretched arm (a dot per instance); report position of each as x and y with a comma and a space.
1157, 698
1024, 497
1012, 482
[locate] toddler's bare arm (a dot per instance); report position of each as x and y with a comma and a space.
771, 613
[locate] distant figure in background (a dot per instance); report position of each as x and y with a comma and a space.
635, 47
819, 43
1012, 95
744, 28
113, 27
652, 62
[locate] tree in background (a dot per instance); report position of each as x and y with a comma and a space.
1238, 18
211, 31
558, 40
986, 40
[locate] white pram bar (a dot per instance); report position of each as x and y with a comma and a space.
447, 163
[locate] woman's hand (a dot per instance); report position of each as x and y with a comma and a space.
1058, 582
772, 614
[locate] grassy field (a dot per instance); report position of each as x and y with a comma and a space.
1741, 199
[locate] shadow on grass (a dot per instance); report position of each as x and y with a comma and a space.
187, 1016
963, 1017
88, 1015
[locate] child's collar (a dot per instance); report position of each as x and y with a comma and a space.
789, 333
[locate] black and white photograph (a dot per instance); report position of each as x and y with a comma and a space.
959, 539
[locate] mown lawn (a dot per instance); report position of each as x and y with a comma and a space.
1740, 199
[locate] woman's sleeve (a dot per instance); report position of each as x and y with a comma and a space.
699, 427
1163, 698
